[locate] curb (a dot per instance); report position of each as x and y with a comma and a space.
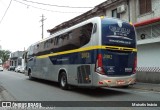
5, 95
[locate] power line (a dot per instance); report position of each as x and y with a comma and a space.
60, 6
6, 11
44, 9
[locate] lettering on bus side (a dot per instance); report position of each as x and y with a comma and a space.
85, 55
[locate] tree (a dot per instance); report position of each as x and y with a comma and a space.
4, 55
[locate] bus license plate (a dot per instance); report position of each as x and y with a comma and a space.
120, 82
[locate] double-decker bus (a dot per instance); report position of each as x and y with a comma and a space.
98, 52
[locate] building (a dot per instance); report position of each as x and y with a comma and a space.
145, 15
148, 36
6, 64
16, 58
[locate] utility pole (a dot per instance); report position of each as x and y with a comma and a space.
42, 20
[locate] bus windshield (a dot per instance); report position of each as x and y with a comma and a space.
118, 33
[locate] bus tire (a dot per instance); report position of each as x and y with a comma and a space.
29, 74
127, 86
63, 81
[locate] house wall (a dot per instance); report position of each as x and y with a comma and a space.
148, 69
148, 61
153, 14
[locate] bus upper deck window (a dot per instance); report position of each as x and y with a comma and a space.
94, 28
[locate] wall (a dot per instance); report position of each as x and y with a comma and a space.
149, 55
148, 66
133, 11
148, 77
153, 14
123, 16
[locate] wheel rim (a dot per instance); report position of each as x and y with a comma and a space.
63, 81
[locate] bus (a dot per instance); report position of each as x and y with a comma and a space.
98, 52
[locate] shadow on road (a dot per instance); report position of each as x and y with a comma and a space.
46, 82
94, 92
99, 92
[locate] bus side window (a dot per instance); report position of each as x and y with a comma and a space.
86, 32
94, 28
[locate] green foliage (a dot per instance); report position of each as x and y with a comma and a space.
4, 55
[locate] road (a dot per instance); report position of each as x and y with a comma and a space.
23, 89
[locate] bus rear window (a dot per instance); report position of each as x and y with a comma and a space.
118, 33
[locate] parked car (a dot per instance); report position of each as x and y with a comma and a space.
22, 70
1, 68
17, 69
11, 68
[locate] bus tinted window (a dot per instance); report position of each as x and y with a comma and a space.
74, 39
82, 35
67, 41
118, 33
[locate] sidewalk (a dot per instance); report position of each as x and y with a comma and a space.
5, 96
147, 86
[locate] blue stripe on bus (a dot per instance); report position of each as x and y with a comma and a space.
86, 57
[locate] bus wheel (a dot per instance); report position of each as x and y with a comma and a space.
63, 81
29, 74
127, 86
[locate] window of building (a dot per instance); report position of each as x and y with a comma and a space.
145, 6
115, 14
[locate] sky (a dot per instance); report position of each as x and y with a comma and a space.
21, 25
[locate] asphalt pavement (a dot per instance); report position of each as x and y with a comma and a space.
17, 87
5, 95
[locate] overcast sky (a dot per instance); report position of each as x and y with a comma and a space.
21, 24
